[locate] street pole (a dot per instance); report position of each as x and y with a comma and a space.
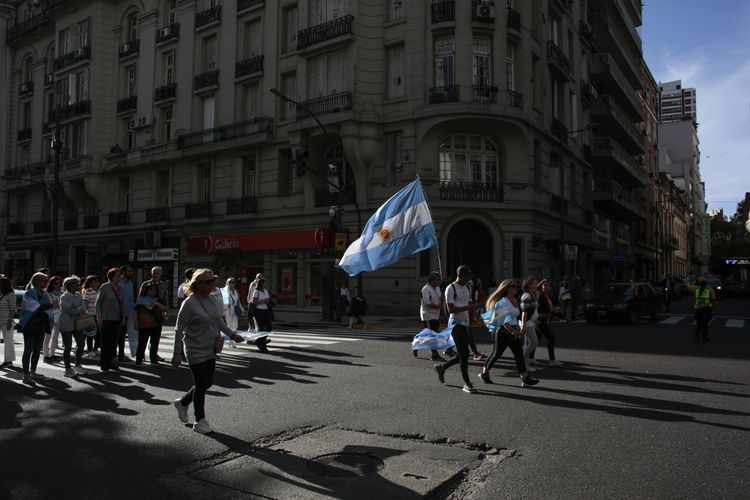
286, 98
55, 193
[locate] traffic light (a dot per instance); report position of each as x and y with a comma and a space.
300, 157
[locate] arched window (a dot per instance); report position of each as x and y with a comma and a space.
26, 70
468, 158
132, 27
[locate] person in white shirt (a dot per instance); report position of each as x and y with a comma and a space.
261, 299
429, 308
232, 306
251, 322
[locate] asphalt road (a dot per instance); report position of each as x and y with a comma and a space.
635, 411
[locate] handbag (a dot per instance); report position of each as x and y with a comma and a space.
84, 323
219, 344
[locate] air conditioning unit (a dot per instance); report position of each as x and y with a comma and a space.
133, 124
485, 11
125, 47
165, 32
140, 122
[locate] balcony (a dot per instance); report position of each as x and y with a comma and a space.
333, 103
70, 224
127, 104
167, 33
605, 71
42, 226
588, 93
616, 123
168, 91
15, 229
483, 11
32, 24
70, 111
91, 222
30, 169
236, 130
614, 201
248, 66
559, 130
71, 58
119, 219
205, 80
326, 31
197, 210
244, 205
443, 11
515, 99
446, 93
209, 16
26, 88
558, 61
612, 36
471, 191
129, 48
246, 4
484, 93
24, 134
160, 214
617, 162
514, 23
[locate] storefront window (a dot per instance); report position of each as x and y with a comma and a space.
285, 287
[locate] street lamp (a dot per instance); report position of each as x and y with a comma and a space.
329, 142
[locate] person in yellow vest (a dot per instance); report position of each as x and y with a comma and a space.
704, 300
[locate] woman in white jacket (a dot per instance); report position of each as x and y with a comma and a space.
232, 307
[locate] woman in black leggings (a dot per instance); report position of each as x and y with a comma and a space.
504, 327
543, 327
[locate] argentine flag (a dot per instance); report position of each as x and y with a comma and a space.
400, 227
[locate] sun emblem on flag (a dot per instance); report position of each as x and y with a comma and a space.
385, 234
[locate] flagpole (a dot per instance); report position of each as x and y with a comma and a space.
437, 240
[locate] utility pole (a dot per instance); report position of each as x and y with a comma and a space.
57, 147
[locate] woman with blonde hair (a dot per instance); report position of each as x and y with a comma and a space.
199, 322
501, 320
35, 322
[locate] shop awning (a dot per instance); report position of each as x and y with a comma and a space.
277, 240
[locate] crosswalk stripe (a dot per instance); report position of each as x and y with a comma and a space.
672, 320
735, 323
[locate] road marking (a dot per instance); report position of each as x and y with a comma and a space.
735, 323
672, 320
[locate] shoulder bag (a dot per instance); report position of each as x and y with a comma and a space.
84, 323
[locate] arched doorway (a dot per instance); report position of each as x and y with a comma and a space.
470, 242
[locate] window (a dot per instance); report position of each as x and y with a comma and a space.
20, 208
395, 9
83, 34
77, 140
209, 118
129, 135
171, 11
161, 188
166, 123
536, 82
204, 171
392, 161
481, 57
290, 29
444, 61
63, 92
573, 115
27, 70
555, 98
510, 66
538, 177
251, 100
251, 39
570, 184
324, 10
289, 84
395, 71
24, 154
26, 115
169, 67
82, 86
209, 53
248, 176
64, 42
468, 158
124, 190
132, 34
555, 167
130, 80
285, 173
554, 30
212, 3
326, 74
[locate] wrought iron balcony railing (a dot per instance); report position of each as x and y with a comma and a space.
31, 24
333, 103
226, 132
91, 222
325, 31
208, 16
484, 93
443, 11
558, 57
165, 92
515, 99
248, 66
69, 111
24, 134
246, 4
160, 214
26, 88
168, 32
244, 205
197, 210
446, 93
127, 103
129, 48
207, 79
72, 57
119, 219
471, 191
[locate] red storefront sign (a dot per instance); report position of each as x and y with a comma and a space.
280, 240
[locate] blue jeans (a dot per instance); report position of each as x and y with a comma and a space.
32, 348
68, 343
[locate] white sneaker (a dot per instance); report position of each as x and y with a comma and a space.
80, 370
555, 363
469, 388
69, 372
202, 426
181, 411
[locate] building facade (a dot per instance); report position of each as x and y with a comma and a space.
518, 119
676, 103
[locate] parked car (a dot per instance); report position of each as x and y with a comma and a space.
625, 302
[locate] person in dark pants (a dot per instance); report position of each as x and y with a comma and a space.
110, 318
504, 327
430, 306
147, 319
458, 299
705, 299
262, 301
35, 322
544, 327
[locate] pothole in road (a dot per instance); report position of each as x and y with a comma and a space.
315, 463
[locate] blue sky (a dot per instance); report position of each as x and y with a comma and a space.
707, 46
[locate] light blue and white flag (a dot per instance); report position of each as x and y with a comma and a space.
433, 341
401, 227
